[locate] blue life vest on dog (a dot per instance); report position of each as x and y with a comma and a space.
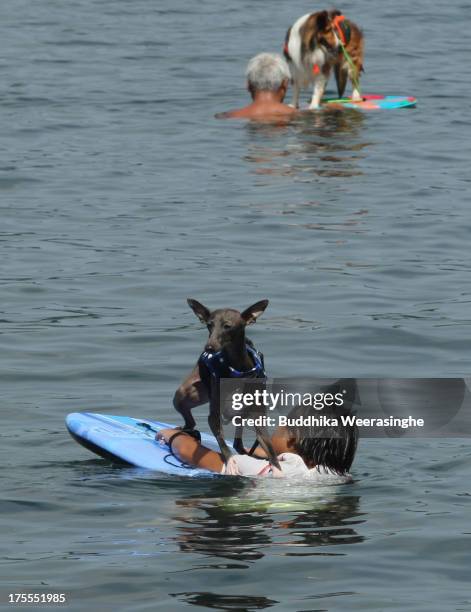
215, 364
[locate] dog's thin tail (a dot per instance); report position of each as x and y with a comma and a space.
341, 76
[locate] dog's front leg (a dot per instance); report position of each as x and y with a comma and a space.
263, 438
192, 392
320, 83
238, 442
214, 421
185, 411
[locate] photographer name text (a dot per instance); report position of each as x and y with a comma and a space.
324, 421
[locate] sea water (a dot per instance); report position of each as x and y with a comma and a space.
121, 196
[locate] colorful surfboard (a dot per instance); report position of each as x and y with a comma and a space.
375, 102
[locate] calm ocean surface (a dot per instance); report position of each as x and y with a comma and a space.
121, 196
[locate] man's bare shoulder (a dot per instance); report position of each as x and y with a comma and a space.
250, 112
240, 113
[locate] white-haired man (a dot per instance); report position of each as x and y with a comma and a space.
267, 82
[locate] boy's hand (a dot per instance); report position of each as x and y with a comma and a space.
165, 434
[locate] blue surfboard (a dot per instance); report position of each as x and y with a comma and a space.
131, 441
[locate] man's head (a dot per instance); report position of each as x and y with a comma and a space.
268, 72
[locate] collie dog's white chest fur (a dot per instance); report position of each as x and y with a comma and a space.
302, 64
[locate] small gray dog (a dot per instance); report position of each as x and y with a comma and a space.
227, 354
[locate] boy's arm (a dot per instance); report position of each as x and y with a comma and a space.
190, 451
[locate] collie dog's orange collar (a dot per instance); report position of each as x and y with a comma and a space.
338, 22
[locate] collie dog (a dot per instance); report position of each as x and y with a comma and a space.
313, 46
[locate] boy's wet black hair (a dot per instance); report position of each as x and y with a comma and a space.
331, 446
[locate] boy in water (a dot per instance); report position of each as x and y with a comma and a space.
324, 454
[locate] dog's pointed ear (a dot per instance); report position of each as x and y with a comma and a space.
200, 311
251, 314
322, 21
